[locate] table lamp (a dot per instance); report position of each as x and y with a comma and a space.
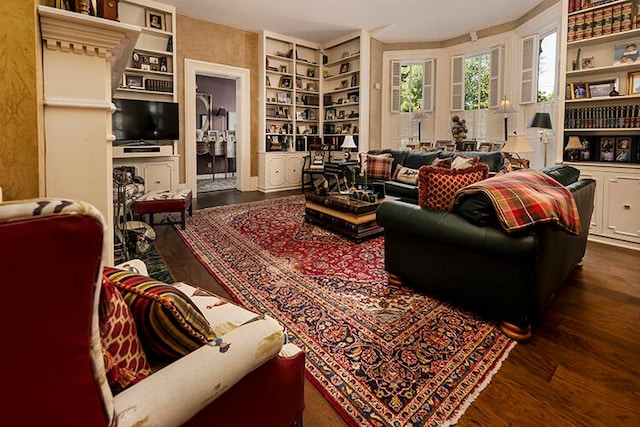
543, 122
573, 147
517, 144
505, 107
347, 145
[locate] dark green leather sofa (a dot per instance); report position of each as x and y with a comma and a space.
414, 159
469, 260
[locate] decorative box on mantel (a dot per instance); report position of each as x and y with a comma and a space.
83, 61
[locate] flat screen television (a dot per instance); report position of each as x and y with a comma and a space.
145, 121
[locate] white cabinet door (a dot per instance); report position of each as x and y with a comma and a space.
596, 218
158, 175
294, 170
622, 205
275, 170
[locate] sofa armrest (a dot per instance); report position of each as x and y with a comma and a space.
179, 391
452, 230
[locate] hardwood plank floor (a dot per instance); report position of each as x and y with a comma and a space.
582, 366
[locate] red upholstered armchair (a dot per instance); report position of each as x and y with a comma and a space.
54, 369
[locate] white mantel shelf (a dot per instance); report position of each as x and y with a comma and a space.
71, 31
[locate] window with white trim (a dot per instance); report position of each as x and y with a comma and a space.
547, 73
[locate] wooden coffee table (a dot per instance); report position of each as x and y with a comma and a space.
351, 218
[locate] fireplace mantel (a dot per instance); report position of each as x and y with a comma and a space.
83, 60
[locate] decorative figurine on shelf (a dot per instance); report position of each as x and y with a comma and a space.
614, 92
459, 129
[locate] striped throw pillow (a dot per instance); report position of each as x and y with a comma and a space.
168, 323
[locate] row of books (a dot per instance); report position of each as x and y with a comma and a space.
576, 5
607, 20
605, 117
158, 85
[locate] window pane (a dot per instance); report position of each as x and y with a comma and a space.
547, 67
476, 82
410, 87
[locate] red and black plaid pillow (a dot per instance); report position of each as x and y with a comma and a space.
437, 186
379, 166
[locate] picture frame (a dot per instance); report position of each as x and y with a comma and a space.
587, 62
312, 87
625, 53
330, 114
623, 149
579, 91
450, 147
485, 147
440, 144
344, 68
341, 114
602, 88
497, 146
633, 83
285, 82
606, 149
344, 84
311, 72
133, 81
155, 19
282, 98
426, 145
468, 146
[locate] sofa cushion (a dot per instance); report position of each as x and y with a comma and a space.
406, 175
493, 159
379, 166
415, 159
125, 361
443, 163
564, 174
406, 192
437, 187
463, 162
168, 323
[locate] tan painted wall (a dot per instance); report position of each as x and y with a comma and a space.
375, 98
219, 44
19, 67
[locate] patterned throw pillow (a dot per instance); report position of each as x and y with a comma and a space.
169, 324
463, 162
379, 167
442, 163
406, 175
124, 359
437, 187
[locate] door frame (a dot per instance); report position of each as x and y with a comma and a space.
242, 76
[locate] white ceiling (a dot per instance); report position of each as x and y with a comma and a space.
323, 20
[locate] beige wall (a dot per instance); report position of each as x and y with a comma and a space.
19, 67
375, 98
219, 44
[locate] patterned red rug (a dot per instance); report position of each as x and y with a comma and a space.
382, 355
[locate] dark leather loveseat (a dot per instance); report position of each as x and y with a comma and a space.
464, 256
414, 159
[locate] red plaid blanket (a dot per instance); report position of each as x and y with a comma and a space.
527, 197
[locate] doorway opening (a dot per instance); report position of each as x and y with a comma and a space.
220, 119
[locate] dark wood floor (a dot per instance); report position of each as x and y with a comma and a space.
582, 366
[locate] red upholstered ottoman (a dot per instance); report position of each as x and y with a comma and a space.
164, 201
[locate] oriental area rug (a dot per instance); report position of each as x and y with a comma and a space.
382, 355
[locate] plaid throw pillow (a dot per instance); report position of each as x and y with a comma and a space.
437, 187
379, 167
169, 324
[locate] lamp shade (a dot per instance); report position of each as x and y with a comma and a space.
221, 112
505, 107
420, 114
349, 142
540, 120
574, 143
517, 144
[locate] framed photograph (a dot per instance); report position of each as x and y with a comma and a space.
633, 84
623, 149
606, 149
285, 82
155, 20
625, 53
133, 81
344, 84
602, 88
282, 98
312, 87
468, 146
579, 90
497, 146
426, 145
331, 114
311, 114
441, 144
311, 72
344, 68
299, 115
485, 147
450, 147
587, 62
341, 114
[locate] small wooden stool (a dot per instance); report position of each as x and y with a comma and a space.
164, 201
